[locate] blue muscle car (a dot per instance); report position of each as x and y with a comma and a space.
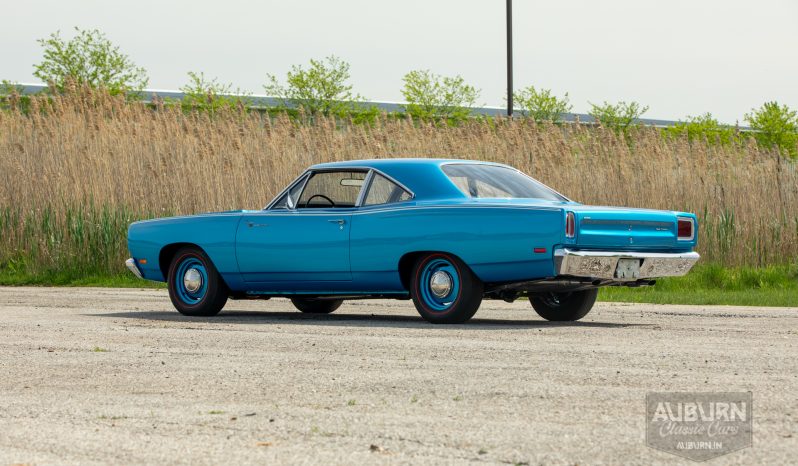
445, 233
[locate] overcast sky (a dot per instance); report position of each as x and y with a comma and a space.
680, 57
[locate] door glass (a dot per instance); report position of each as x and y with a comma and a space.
288, 201
384, 191
326, 190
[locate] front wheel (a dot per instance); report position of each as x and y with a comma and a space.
195, 287
444, 289
316, 306
563, 307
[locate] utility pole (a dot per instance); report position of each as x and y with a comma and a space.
509, 58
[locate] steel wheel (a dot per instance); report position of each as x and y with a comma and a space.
444, 289
191, 281
195, 287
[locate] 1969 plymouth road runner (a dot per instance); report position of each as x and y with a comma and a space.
445, 233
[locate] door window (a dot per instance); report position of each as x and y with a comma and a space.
326, 190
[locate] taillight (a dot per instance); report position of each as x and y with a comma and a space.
570, 225
685, 230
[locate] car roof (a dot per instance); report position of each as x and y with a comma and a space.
396, 162
422, 176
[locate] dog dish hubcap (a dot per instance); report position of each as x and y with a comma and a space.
192, 280
440, 283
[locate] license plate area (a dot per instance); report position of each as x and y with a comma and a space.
628, 269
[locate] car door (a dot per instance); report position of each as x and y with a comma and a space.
302, 242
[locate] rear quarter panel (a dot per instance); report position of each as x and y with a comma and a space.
214, 233
496, 242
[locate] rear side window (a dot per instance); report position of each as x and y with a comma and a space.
385, 191
326, 190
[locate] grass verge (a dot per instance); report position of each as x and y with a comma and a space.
124, 280
713, 284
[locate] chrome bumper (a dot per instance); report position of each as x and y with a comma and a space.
131, 264
603, 264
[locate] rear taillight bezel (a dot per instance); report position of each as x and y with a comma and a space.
570, 225
685, 220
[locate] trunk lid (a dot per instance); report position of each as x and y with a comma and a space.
625, 229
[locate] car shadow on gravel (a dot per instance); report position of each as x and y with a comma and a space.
350, 320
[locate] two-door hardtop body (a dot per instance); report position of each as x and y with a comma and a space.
446, 233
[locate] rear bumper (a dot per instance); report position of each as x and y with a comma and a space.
133, 267
603, 264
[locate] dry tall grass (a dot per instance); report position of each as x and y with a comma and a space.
76, 169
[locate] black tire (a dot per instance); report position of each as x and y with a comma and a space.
316, 306
210, 298
465, 293
564, 307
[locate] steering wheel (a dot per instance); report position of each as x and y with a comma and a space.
321, 196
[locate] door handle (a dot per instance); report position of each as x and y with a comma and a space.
339, 221
253, 224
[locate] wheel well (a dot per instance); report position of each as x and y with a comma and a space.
407, 262
168, 252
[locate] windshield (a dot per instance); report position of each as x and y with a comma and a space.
493, 181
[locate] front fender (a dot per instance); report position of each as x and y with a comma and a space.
213, 233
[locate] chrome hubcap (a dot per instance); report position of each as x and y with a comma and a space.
440, 283
192, 280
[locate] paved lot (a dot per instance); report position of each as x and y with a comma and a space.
116, 376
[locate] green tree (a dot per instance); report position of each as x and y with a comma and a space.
541, 105
89, 59
321, 88
618, 116
7, 88
704, 127
206, 94
11, 96
429, 96
775, 126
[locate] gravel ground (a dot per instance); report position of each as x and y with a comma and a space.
100, 376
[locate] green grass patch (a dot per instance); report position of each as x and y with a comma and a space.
714, 284
74, 278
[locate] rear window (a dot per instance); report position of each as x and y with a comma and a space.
493, 181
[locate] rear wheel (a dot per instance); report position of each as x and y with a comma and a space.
195, 287
567, 306
316, 306
444, 289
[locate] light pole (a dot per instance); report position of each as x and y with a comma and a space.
509, 58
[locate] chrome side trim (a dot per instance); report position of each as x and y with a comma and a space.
133, 267
602, 264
